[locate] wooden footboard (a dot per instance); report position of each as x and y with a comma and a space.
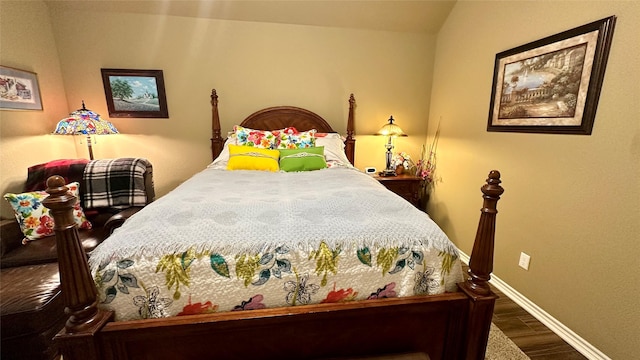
447, 326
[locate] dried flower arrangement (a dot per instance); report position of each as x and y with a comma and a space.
426, 167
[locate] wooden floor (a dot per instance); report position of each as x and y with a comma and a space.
531, 336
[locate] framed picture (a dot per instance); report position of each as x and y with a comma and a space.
19, 90
551, 85
135, 93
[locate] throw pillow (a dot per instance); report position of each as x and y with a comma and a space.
33, 217
302, 159
290, 138
255, 138
251, 158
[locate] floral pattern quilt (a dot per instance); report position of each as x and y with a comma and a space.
202, 282
153, 277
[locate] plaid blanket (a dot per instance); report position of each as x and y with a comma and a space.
115, 183
70, 169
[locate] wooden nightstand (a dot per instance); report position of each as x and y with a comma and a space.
407, 186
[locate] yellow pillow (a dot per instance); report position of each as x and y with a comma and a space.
251, 158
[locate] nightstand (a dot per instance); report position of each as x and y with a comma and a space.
407, 186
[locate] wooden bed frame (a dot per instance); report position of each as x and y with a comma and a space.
448, 326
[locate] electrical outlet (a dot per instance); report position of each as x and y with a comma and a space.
524, 261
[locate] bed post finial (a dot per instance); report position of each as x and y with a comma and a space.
214, 97
481, 261
350, 143
217, 142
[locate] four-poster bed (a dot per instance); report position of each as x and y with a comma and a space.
450, 325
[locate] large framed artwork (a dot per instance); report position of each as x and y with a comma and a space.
135, 93
19, 90
551, 85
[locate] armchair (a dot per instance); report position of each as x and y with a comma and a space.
30, 293
104, 210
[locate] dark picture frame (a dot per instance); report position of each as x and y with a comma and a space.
135, 93
19, 89
551, 85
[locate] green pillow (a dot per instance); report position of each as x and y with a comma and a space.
306, 159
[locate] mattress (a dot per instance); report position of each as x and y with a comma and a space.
242, 240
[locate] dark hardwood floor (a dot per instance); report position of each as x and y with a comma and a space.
531, 336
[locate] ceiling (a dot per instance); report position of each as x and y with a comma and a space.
420, 16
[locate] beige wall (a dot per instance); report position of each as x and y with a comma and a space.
571, 202
252, 66
23, 139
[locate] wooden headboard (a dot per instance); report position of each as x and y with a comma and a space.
279, 117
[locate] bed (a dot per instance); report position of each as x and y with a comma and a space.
312, 279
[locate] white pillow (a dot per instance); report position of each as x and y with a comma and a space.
221, 161
333, 149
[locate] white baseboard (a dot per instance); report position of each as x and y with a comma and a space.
573, 339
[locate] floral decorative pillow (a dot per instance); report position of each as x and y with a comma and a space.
33, 217
290, 138
255, 138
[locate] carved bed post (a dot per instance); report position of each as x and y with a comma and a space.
217, 142
350, 143
79, 293
482, 299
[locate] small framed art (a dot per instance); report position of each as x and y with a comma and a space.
135, 93
19, 90
551, 85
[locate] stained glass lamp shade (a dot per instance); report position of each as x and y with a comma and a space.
85, 122
391, 130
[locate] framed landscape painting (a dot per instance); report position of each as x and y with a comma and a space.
135, 93
19, 90
551, 85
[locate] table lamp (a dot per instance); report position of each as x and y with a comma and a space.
391, 130
85, 122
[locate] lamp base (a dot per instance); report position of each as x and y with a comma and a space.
387, 173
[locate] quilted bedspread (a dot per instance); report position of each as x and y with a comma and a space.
241, 240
